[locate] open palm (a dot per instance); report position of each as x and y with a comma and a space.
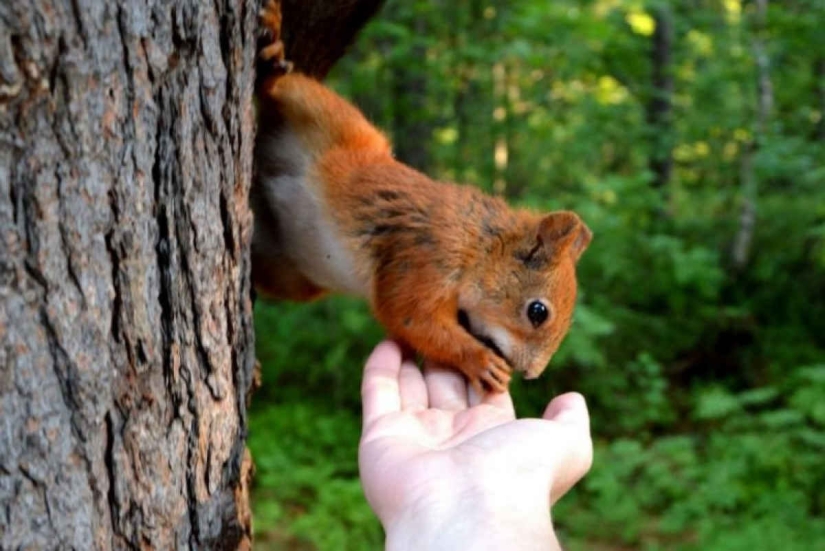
428, 438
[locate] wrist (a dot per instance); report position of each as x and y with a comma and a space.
476, 518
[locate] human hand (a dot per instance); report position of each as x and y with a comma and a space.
443, 467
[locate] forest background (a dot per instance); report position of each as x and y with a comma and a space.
690, 136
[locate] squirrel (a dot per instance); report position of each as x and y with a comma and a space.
457, 275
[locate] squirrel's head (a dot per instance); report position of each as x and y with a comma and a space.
519, 301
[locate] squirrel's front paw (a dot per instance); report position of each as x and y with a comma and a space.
488, 373
271, 48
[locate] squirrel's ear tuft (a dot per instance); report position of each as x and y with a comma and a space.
565, 233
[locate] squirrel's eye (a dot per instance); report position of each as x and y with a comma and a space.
537, 313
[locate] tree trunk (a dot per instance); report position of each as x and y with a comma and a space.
469, 99
126, 137
411, 131
764, 106
499, 124
819, 91
126, 341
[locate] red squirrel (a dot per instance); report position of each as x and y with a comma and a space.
455, 274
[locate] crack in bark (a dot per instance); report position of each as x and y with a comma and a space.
207, 465
78, 18
31, 239
162, 254
191, 482
59, 357
227, 24
66, 146
111, 473
112, 238
165, 301
124, 51
35, 274
16, 205
114, 257
65, 240
226, 222
184, 239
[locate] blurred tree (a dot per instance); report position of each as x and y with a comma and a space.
659, 103
409, 93
761, 128
819, 90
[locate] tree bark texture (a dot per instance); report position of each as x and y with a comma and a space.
126, 341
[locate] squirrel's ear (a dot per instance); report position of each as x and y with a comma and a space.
565, 233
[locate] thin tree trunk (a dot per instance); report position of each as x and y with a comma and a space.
411, 132
501, 144
126, 140
749, 183
468, 97
819, 88
659, 106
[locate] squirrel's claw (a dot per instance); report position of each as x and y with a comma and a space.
272, 50
491, 375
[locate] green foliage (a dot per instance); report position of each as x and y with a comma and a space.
314, 351
306, 482
740, 479
705, 378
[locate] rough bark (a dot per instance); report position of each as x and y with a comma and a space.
126, 341
659, 106
126, 345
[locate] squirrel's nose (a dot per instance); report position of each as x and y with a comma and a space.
534, 369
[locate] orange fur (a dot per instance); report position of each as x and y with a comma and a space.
447, 270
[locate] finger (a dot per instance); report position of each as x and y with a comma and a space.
379, 389
447, 387
569, 413
474, 395
500, 400
569, 409
412, 387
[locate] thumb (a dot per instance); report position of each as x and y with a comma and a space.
574, 450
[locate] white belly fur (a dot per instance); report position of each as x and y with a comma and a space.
309, 236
